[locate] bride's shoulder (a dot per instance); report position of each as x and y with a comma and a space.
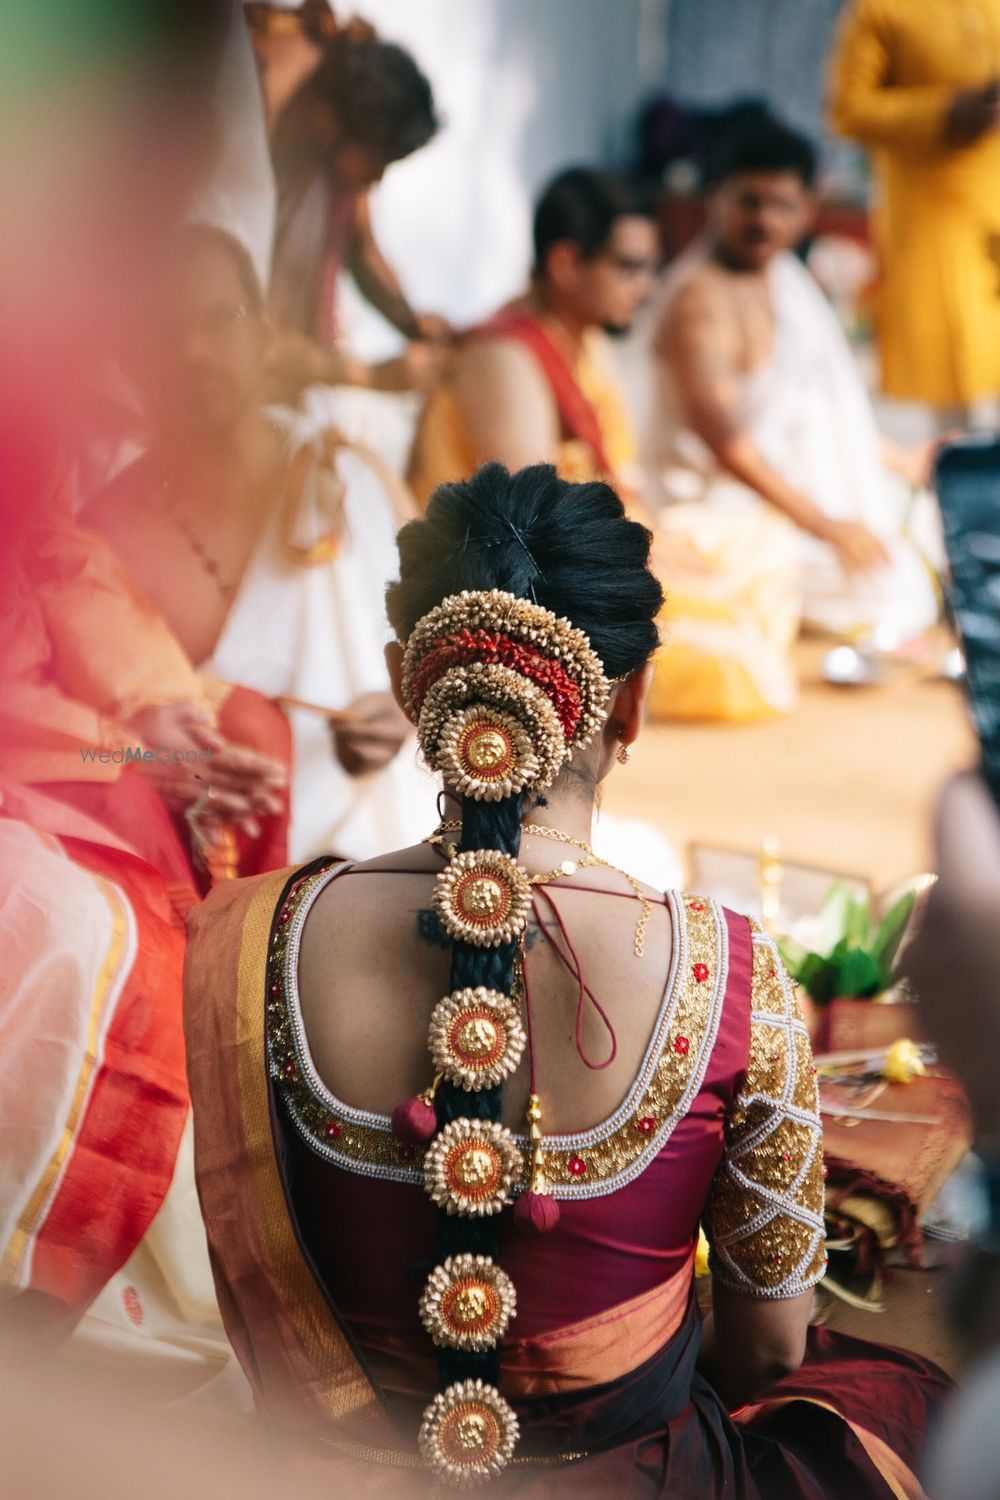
232, 899
372, 890
416, 859
258, 898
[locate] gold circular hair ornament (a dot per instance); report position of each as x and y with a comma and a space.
476, 1038
471, 1167
498, 612
482, 897
486, 754
492, 649
467, 1303
468, 1434
494, 691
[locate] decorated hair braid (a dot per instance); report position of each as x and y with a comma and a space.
503, 692
485, 825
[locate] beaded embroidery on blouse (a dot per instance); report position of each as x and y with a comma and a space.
764, 1218
587, 1165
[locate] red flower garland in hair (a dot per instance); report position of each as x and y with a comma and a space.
494, 648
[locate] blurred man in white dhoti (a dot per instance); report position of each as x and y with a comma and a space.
764, 461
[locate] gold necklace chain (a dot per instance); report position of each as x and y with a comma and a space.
561, 872
227, 587
645, 906
570, 867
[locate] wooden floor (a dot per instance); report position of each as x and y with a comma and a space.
848, 781
915, 1317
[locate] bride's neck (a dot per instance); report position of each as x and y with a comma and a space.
563, 810
566, 813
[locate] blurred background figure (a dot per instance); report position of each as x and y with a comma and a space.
762, 449
265, 545
536, 382
341, 106
228, 606
954, 965
91, 919
919, 85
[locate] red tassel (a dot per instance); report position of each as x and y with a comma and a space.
536, 1213
414, 1121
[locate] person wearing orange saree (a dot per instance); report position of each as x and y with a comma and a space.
453, 1238
102, 708
536, 382
99, 1229
93, 1097
96, 878
92, 1090
264, 542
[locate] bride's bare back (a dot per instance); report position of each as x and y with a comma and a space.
374, 962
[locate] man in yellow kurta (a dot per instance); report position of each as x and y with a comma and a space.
917, 83
536, 383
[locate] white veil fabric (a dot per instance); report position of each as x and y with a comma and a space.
238, 194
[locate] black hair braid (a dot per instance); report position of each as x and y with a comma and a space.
571, 549
485, 825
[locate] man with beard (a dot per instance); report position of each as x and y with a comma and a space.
535, 383
762, 453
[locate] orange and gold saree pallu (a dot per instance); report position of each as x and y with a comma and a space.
300, 1362
94, 1097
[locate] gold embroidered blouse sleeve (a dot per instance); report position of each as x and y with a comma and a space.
764, 1217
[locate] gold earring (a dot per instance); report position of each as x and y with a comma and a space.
624, 755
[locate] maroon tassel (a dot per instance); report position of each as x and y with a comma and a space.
414, 1121
536, 1213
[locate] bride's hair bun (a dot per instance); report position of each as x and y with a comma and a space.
502, 691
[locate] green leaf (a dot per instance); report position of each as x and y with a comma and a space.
834, 916
890, 935
818, 977
857, 974
858, 921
